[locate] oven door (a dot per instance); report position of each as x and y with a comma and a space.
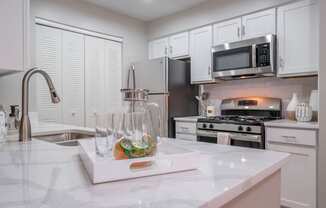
237, 139
234, 62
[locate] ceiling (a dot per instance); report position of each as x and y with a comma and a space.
146, 10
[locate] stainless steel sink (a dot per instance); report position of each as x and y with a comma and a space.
66, 138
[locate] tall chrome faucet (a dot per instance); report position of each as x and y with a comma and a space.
25, 125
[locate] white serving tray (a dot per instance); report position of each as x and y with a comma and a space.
169, 158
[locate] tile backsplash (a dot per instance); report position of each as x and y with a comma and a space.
267, 87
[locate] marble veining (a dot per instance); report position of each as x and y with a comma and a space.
41, 174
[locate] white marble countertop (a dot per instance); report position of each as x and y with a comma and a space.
188, 118
292, 124
40, 174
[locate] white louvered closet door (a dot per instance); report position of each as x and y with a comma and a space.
48, 58
73, 78
94, 78
113, 81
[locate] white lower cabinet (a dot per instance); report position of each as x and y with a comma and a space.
185, 130
299, 174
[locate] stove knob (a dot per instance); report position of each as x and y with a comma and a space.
204, 126
240, 128
248, 128
211, 126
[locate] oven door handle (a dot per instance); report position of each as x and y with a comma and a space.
233, 136
246, 137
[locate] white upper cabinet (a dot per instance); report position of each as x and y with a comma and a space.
298, 39
246, 27
259, 24
200, 53
228, 31
158, 48
73, 78
13, 36
175, 46
179, 45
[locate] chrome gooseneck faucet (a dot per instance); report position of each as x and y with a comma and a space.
25, 125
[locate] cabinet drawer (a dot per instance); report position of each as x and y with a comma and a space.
188, 137
291, 136
185, 127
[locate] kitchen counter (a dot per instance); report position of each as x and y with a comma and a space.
292, 124
188, 118
47, 128
41, 174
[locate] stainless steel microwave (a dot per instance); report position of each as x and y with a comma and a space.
245, 59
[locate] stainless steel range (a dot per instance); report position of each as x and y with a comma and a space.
243, 119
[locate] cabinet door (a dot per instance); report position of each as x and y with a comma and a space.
48, 58
298, 176
200, 52
73, 78
113, 75
158, 48
298, 35
228, 31
259, 24
13, 22
94, 78
179, 45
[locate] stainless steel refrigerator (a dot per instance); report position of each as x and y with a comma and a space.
168, 82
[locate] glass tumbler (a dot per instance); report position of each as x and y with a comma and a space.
106, 130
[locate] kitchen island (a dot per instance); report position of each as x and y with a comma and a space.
43, 174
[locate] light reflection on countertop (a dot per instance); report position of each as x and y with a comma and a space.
41, 174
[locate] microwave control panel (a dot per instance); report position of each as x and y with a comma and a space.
263, 55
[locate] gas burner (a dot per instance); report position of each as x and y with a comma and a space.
253, 120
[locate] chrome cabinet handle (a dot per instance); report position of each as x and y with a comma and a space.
209, 70
289, 137
239, 32
282, 63
243, 30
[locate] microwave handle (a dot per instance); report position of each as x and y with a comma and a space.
254, 56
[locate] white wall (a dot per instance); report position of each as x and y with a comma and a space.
322, 114
87, 16
207, 13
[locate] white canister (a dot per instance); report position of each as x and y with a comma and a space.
291, 108
211, 111
303, 112
314, 103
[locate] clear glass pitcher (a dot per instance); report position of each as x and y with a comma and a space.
140, 126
